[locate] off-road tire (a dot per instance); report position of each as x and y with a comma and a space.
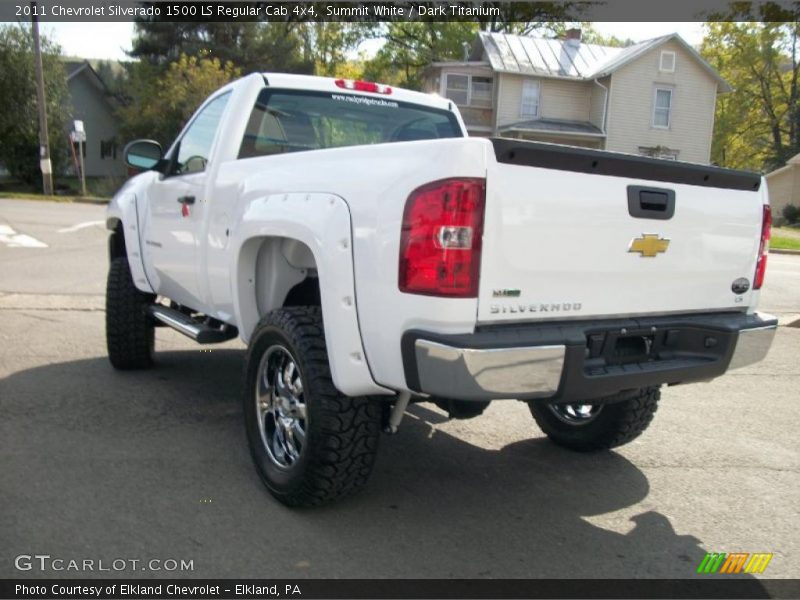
618, 422
130, 335
341, 432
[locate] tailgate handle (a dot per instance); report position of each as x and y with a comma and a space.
651, 203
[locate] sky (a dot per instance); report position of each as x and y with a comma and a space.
110, 40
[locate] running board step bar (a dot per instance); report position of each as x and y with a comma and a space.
183, 323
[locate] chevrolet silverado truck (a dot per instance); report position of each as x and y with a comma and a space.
371, 255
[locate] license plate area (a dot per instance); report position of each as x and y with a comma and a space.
648, 346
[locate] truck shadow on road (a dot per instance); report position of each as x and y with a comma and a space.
156, 463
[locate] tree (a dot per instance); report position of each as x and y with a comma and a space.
326, 44
162, 103
19, 120
412, 45
250, 46
591, 36
758, 124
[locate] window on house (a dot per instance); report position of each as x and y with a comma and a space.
662, 108
457, 88
469, 90
108, 148
529, 106
481, 92
667, 63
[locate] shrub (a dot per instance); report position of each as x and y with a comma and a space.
791, 213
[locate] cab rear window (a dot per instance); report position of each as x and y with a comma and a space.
294, 121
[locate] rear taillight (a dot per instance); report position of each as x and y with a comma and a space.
363, 86
440, 243
763, 248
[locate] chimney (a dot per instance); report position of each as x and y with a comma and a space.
573, 35
465, 48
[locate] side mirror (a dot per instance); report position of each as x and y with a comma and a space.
143, 154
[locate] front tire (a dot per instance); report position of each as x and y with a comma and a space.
589, 427
130, 335
310, 443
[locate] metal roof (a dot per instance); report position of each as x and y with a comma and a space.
571, 59
546, 58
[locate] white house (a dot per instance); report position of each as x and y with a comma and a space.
654, 98
784, 186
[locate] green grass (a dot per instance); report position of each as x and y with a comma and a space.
65, 198
781, 242
68, 188
790, 231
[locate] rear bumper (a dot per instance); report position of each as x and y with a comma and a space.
583, 360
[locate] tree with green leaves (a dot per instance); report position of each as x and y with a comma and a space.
326, 44
410, 46
758, 124
249, 46
19, 119
161, 103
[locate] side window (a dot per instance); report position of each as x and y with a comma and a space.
456, 88
195, 146
662, 108
667, 62
529, 104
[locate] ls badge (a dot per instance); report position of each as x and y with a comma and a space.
650, 245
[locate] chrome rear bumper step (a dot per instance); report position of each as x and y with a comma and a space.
183, 323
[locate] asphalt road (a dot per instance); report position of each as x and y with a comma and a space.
99, 464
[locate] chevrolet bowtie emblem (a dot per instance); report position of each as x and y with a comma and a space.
650, 244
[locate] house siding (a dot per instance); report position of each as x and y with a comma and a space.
631, 106
90, 106
783, 189
558, 99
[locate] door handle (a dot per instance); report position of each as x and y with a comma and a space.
186, 200
651, 203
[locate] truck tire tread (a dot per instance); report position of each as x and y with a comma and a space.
624, 418
129, 332
345, 430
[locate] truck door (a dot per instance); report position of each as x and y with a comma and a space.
175, 209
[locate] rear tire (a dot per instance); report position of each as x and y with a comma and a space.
586, 427
310, 443
130, 335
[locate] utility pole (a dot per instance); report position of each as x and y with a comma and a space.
44, 139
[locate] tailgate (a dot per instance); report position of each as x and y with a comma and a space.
576, 233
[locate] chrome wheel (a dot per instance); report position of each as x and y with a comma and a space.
576, 414
281, 407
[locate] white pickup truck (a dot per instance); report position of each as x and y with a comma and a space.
371, 254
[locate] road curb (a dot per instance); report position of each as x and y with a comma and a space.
782, 251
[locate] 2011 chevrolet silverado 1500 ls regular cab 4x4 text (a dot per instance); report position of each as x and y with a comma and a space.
371, 255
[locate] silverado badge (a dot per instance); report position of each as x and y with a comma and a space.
650, 244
